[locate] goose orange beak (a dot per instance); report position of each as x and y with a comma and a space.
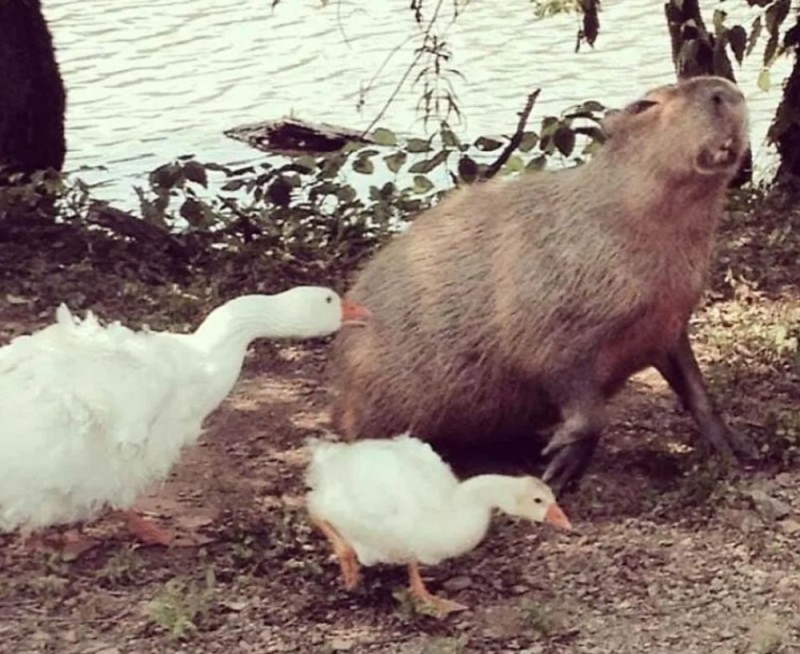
555, 516
354, 314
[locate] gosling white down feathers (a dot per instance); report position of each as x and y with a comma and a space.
396, 501
93, 414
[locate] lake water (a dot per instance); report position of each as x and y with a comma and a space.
149, 80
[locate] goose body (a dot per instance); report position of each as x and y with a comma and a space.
92, 414
395, 501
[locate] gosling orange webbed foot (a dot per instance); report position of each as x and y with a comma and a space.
346, 555
441, 606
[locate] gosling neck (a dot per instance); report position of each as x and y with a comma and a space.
485, 491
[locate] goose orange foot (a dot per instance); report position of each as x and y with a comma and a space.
146, 530
441, 606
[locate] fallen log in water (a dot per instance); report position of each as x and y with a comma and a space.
293, 136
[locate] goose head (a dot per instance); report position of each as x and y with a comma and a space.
301, 312
530, 498
311, 311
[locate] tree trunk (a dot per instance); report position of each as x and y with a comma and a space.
784, 131
32, 96
695, 52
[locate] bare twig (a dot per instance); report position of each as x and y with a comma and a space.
420, 52
516, 138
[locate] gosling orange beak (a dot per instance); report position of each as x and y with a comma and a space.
354, 314
555, 516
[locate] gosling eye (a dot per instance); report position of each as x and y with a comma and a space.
537, 500
329, 299
640, 106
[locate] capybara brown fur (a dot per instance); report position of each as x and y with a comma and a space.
517, 307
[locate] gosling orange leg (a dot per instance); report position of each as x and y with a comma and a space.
346, 555
419, 592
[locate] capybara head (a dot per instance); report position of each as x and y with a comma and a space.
703, 121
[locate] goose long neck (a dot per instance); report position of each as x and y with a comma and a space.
239, 322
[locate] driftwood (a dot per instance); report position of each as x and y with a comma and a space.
293, 136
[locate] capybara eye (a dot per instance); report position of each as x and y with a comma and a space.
641, 106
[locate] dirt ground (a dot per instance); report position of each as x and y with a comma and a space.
669, 553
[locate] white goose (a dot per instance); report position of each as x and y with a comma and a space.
90, 415
396, 501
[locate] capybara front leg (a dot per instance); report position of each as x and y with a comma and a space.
574, 442
679, 367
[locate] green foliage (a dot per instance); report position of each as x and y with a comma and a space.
288, 219
181, 605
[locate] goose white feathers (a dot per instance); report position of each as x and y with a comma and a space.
396, 501
93, 414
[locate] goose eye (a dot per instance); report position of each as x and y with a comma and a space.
641, 106
329, 299
537, 500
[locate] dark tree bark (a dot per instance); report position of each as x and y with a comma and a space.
32, 96
695, 51
785, 128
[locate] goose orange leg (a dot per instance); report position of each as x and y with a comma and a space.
346, 555
419, 592
145, 530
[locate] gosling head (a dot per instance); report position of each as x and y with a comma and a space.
318, 311
532, 499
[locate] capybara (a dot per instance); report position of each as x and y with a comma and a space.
32, 96
518, 307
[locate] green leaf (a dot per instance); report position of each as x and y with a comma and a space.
529, 140
449, 139
346, 193
513, 165
364, 166
755, 33
564, 138
417, 145
196, 172
421, 184
467, 169
737, 37
593, 106
719, 20
383, 136
427, 165
537, 163
192, 211
233, 185
394, 162
280, 192
486, 144
307, 162
764, 81
549, 125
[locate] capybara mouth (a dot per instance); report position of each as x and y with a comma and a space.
722, 157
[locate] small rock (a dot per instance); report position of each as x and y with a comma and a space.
341, 645
784, 479
70, 636
770, 507
458, 583
789, 526
108, 650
